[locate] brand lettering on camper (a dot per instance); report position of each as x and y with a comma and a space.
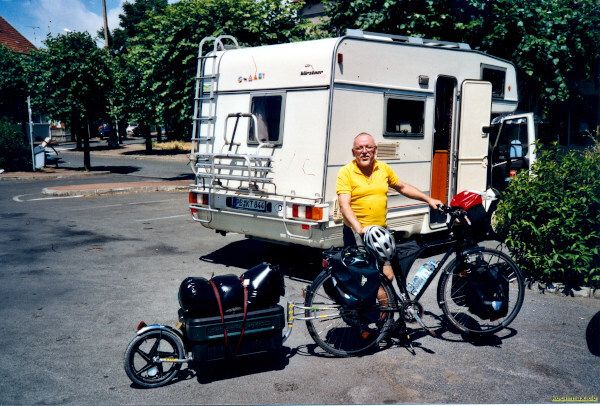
309, 70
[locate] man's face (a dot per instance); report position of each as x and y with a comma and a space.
364, 150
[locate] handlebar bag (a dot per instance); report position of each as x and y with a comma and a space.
472, 203
355, 277
487, 292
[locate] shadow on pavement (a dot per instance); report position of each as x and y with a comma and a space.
247, 365
119, 169
295, 261
183, 176
156, 152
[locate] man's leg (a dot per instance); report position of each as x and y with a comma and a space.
389, 274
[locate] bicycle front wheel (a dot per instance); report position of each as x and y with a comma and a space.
344, 331
455, 292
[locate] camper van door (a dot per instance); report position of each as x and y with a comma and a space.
475, 112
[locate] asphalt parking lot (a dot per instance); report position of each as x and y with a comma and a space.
78, 274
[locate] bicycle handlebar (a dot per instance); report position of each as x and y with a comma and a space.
454, 212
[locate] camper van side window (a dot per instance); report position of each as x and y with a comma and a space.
497, 77
268, 110
404, 117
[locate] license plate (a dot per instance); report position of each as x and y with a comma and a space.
248, 204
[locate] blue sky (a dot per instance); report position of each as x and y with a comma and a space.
34, 19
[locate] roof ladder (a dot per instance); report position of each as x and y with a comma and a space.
205, 96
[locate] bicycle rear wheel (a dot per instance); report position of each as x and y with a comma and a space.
343, 331
454, 289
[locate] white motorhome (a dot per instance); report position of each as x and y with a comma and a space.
274, 124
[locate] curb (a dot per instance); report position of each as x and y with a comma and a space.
117, 188
112, 154
39, 175
559, 290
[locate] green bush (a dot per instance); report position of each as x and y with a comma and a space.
15, 153
550, 219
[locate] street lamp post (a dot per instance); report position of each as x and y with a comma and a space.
105, 23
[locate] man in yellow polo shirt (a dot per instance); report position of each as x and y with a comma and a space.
362, 187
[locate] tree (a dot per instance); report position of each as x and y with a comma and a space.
134, 12
70, 79
554, 43
431, 18
166, 47
13, 86
133, 100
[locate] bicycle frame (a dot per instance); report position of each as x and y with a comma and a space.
457, 241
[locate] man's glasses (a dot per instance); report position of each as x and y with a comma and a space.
368, 148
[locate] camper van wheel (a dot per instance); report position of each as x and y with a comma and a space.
142, 358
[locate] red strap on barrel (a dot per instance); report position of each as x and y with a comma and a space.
218, 297
237, 348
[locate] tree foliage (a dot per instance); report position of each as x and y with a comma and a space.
165, 49
134, 12
13, 85
551, 219
553, 43
15, 153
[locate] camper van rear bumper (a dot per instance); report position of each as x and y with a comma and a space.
277, 229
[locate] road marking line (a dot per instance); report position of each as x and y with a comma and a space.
164, 218
18, 197
55, 197
124, 204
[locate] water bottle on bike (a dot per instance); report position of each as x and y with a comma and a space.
421, 277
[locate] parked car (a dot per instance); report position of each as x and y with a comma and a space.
132, 129
104, 130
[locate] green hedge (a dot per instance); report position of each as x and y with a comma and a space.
550, 219
15, 153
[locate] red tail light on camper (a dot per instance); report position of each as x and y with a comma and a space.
197, 198
304, 212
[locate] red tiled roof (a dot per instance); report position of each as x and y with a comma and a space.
12, 39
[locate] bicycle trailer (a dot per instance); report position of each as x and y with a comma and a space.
213, 338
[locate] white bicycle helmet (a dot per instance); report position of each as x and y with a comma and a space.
380, 241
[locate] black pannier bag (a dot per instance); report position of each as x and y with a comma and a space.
472, 203
487, 292
196, 297
355, 277
265, 285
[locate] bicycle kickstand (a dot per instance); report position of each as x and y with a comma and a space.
415, 315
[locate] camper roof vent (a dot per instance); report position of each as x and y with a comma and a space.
407, 40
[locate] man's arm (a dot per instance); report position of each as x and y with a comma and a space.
348, 213
414, 193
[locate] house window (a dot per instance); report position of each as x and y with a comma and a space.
268, 110
404, 117
497, 77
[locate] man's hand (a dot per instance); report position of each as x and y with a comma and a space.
434, 203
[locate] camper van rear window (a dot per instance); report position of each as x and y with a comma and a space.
268, 110
404, 117
497, 77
